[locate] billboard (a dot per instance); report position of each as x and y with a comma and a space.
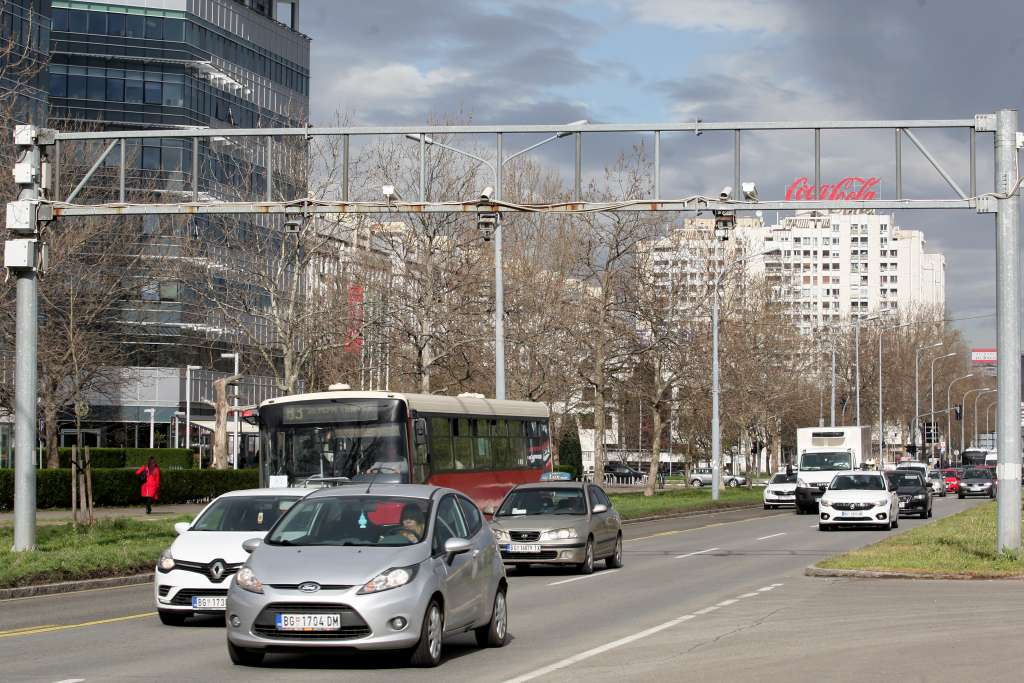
983, 356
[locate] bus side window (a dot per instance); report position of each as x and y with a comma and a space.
440, 445
517, 444
538, 443
463, 444
499, 441
483, 455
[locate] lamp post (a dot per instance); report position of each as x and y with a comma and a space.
152, 420
716, 433
917, 384
499, 288
931, 393
177, 419
949, 418
856, 352
988, 428
234, 447
983, 392
963, 415
188, 405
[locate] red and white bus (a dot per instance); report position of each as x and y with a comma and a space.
476, 445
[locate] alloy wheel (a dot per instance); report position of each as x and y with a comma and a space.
434, 631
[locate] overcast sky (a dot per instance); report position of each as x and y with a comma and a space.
616, 61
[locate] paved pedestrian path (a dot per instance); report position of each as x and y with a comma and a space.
135, 512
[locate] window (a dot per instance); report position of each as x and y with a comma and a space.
173, 95
483, 456
76, 86
171, 160
133, 91
115, 90
134, 25
441, 445
58, 85
151, 158
448, 523
154, 93
174, 29
155, 28
115, 24
168, 291
471, 515
97, 88
78, 21
60, 19
150, 292
463, 442
97, 23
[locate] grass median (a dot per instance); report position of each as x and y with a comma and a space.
113, 547
670, 501
961, 544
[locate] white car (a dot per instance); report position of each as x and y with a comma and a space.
781, 490
193, 575
860, 499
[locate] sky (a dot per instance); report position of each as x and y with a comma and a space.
648, 61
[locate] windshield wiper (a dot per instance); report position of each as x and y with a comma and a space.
283, 541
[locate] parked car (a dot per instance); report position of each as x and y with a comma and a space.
977, 481
389, 567
860, 499
952, 477
780, 491
937, 482
914, 494
567, 523
701, 476
621, 473
192, 576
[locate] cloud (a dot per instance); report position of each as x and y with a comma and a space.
757, 16
401, 87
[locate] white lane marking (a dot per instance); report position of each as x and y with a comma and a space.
813, 526
781, 533
569, 661
747, 595
698, 552
71, 680
726, 603
580, 578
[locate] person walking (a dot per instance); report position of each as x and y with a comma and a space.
149, 477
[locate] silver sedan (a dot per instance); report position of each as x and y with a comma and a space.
569, 523
388, 567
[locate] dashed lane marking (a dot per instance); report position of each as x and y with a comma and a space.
781, 533
698, 552
588, 576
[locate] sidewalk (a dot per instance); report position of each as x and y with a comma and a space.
136, 512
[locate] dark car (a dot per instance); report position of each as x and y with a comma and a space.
977, 481
914, 493
620, 473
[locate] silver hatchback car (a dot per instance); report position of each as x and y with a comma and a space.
558, 523
388, 567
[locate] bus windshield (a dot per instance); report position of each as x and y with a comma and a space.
354, 440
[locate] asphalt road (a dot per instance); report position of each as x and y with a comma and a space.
715, 597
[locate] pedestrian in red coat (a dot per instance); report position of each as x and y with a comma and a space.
149, 475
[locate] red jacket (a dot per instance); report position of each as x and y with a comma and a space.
151, 487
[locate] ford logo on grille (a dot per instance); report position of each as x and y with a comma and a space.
309, 587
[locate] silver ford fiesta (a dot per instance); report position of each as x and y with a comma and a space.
388, 567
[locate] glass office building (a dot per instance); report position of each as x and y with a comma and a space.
24, 48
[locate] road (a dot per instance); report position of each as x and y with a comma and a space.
720, 596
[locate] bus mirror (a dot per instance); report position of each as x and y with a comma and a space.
420, 430
251, 416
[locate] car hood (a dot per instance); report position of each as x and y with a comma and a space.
539, 522
789, 488
337, 565
911, 490
856, 496
206, 546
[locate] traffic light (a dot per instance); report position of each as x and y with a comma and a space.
958, 411
911, 449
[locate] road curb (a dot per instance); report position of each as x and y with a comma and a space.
865, 574
694, 513
72, 586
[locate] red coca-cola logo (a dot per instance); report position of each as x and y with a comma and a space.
850, 188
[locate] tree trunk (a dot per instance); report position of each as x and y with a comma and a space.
219, 459
91, 517
50, 422
74, 485
652, 475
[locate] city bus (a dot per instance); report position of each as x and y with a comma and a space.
476, 445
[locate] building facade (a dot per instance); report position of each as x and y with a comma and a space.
24, 50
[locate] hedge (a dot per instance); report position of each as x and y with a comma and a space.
119, 487
167, 458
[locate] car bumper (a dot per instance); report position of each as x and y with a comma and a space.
173, 591
968, 491
550, 553
807, 498
913, 507
365, 618
830, 517
775, 499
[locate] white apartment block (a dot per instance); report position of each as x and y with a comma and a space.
830, 266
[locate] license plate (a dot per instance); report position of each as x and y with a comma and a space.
847, 514
217, 602
307, 622
902, 505
524, 547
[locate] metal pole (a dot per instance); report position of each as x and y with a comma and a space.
195, 169
974, 438
25, 377
899, 163
423, 167
152, 427
238, 359
917, 397
881, 412
121, 172
344, 167
499, 289
1008, 467
949, 417
817, 165
657, 164
832, 409
270, 168
716, 437
988, 428
737, 194
578, 184
856, 353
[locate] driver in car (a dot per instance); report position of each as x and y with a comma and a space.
413, 526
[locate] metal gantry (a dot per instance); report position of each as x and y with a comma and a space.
39, 176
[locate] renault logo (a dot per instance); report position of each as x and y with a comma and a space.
309, 587
217, 570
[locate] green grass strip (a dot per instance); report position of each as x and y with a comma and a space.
669, 501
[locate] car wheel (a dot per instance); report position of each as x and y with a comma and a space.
587, 565
960, 496
495, 634
172, 618
427, 652
242, 657
895, 519
733, 483
696, 482
824, 527
992, 494
614, 561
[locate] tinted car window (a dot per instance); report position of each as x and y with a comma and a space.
978, 474
543, 501
471, 515
906, 479
352, 521
449, 523
784, 478
857, 482
243, 514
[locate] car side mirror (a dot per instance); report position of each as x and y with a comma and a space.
489, 511
252, 544
182, 527
599, 508
457, 546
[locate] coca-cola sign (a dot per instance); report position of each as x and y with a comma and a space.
850, 188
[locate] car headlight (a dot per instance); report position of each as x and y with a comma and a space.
880, 503
920, 496
247, 580
987, 483
166, 562
386, 580
802, 484
501, 536
558, 535
825, 503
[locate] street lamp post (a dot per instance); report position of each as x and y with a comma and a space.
917, 384
499, 288
234, 447
152, 421
963, 414
949, 418
716, 433
856, 352
931, 392
988, 427
188, 405
983, 392
177, 420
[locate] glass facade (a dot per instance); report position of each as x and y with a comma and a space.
25, 41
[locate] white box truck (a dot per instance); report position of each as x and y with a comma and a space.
822, 452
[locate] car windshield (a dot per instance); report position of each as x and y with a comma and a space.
978, 474
906, 480
817, 462
857, 482
540, 501
935, 475
243, 513
360, 520
782, 478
